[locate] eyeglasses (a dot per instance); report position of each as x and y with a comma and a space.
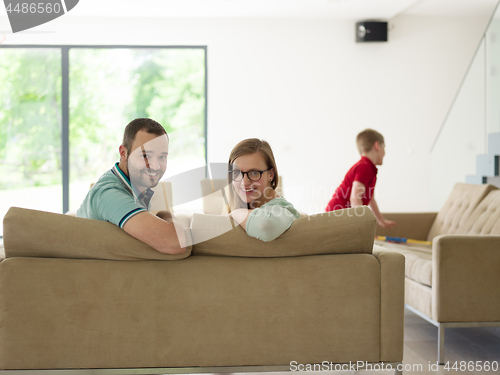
237, 175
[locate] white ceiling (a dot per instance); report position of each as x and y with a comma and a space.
452, 8
334, 9
347, 9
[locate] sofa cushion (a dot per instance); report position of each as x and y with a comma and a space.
419, 297
463, 200
485, 219
418, 260
337, 232
31, 233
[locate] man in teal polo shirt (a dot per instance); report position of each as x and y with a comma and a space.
122, 195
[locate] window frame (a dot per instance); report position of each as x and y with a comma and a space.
65, 48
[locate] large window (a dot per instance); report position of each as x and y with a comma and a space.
63, 110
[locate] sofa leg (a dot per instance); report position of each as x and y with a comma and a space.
398, 372
441, 344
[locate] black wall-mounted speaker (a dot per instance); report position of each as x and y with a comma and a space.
371, 31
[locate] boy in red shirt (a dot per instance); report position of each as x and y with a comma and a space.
358, 186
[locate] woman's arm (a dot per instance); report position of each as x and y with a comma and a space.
270, 221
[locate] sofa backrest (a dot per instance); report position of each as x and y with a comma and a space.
485, 219
32, 233
463, 200
348, 231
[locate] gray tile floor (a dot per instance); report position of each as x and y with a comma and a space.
420, 349
461, 344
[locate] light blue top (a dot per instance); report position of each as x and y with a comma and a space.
113, 199
271, 220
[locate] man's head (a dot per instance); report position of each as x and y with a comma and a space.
146, 124
371, 144
143, 154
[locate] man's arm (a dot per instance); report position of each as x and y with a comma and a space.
388, 224
165, 237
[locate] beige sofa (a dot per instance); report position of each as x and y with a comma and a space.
455, 282
82, 294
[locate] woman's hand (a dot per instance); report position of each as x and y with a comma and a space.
240, 216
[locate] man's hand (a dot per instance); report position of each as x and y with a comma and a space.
163, 236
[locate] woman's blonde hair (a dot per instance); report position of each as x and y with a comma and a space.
247, 147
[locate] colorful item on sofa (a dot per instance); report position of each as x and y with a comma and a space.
402, 240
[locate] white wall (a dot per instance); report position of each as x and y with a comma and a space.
493, 74
307, 88
463, 135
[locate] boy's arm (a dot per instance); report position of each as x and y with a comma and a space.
357, 193
165, 237
388, 224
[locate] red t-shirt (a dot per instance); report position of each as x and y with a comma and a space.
363, 171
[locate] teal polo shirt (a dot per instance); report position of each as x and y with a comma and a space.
114, 199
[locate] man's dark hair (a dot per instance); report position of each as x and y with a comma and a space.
146, 124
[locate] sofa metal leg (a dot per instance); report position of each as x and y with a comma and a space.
441, 343
398, 372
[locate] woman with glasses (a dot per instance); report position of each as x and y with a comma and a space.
254, 202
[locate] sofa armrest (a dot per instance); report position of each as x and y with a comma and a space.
392, 281
415, 225
466, 278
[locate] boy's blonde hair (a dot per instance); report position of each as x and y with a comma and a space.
367, 138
